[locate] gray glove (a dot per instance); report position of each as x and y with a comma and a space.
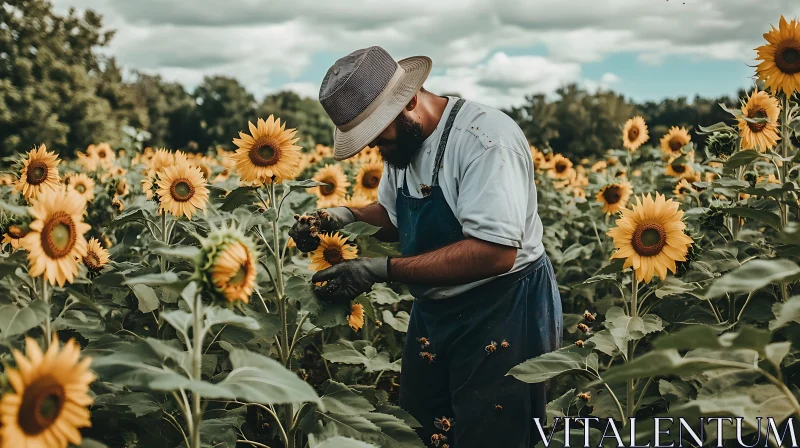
350, 278
305, 231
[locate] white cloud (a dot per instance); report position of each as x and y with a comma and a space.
306, 89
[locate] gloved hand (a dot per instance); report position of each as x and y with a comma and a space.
305, 232
350, 278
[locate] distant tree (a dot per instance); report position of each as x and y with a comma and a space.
50, 79
223, 109
305, 114
167, 111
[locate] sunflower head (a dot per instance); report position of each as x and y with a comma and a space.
50, 396
333, 249
55, 242
228, 263
39, 172
634, 133
102, 154
560, 167
181, 189
683, 188
14, 234
674, 141
650, 237
356, 317
679, 166
780, 58
367, 180
268, 153
599, 167
96, 256
81, 184
161, 159
763, 134
614, 197
336, 185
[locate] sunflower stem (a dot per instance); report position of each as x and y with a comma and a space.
785, 143
631, 408
164, 238
197, 363
46, 298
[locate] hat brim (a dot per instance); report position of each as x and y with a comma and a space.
348, 143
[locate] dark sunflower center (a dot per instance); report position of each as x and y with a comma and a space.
371, 179
101, 154
787, 57
333, 255
679, 168
92, 261
264, 153
612, 194
685, 190
633, 133
42, 402
649, 239
757, 113
16, 232
611, 162
329, 188
37, 172
561, 167
80, 188
675, 144
238, 278
181, 190
58, 235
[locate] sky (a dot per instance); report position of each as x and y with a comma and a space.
491, 51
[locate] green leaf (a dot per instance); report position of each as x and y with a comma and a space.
216, 316
396, 434
15, 320
603, 342
190, 253
91, 443
660, 363
339, 399
754, 275
237, 197
624, 328
359, 228
180, 320
702, 336
555, 364
17, 210
259, 379
785, 313
342, 442
399, 322
384, 295
302, 184
160, 279
742, 158
762, 216
716, 127
777, 351
359, 352
147, 297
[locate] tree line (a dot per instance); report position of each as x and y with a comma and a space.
58, 88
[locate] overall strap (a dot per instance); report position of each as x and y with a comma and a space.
443, 140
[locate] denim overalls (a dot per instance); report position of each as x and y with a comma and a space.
466, 380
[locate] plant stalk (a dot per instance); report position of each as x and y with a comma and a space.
785, 143
164, 238
197, 363
631, 406
48, 335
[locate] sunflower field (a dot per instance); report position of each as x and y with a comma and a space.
153, 298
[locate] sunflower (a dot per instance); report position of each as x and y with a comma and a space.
55, 242
780, 66
614, 197
13, 236
323, 151
560, 167
269, 151
96, 256
356, 201
102, 153
121, 187
81, 184
599, 167
234, 272
368, 179
333, 249
204, 164
634, 133
677, 169
650, 237
760, 136
7, 179
683, 188
674, 140
335, 191
181, 189
50, 398
39, 173
118, 204
161, 159
539, 160
356, 316
87, 163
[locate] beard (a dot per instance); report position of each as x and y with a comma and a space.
400, 152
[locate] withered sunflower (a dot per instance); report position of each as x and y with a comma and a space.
233, 272
760, 136
181, 189
269, 151
674, 140
50, 399
635, 133
81, 184
614, 197
356, 317
333, 249
683, 188
96, 256
55, 242
39, 173
333, 193
14, 236
677, 169
780, 66
560, 167
367, 180
650, 237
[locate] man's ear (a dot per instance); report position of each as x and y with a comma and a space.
412, 104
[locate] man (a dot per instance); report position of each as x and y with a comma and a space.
459, 194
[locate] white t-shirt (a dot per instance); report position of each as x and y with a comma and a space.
487, 179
